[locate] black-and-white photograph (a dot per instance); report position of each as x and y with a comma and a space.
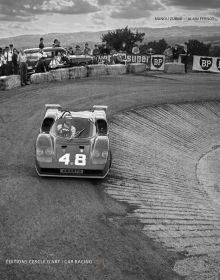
109, 140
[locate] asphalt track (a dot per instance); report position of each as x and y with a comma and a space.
68, 219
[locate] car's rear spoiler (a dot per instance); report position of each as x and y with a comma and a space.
100, 107
52, 106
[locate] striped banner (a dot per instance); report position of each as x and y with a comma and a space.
206, 64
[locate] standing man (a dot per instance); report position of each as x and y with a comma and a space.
56, 43
87, 50
41, 45
78, 50
10, 63
2, 63
96, 50
96, 54
168, 54
15, 62
22, 61
175, 53
7, 59
184, 56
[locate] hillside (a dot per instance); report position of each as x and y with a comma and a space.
175, 34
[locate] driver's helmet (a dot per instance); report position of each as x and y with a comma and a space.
66, 129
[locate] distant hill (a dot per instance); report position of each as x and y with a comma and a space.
175, 34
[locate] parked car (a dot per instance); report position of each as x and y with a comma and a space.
81, 60
54, 58
34, 55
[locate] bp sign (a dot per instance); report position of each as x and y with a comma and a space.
206, 63
218, 63
157, 61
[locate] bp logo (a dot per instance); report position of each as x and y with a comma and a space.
157, 61
218, 63
205, 63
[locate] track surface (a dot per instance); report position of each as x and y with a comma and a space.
74, 219
158, 168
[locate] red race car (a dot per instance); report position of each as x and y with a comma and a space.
73, 143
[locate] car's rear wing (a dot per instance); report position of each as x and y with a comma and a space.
52, 106
100, 107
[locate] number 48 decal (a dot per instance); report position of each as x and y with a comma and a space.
80, 159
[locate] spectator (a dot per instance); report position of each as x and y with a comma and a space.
150, 51
175, 53
113, 52
41, 45
64, 58
8, 58
113, 57
41, 64
168, 54
87, 50
121, 58
96, 54
5, 54
56, 43
96, 51
15, 67
22, 60
11, 47
104, 50
135, 49
78, 51
10, 63
70, 51
55, 61
184, 56
2, 63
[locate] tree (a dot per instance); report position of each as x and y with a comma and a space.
215, 51
196, 47
158, 47
122, 39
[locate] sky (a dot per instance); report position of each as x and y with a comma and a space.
18, 17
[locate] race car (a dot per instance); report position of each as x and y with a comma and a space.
73, 143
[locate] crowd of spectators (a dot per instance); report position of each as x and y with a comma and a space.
102, 49
13, 61
8, 60
177, 54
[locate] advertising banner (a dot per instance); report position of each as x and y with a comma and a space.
138, 58
153, 62
130, 58
157, 62
206, 64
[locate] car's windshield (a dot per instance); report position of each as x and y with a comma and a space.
71, 128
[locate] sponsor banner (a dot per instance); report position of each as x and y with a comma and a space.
130, 58
138, 58
206, 63
157, 62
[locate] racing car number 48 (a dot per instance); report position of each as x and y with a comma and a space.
80, 159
